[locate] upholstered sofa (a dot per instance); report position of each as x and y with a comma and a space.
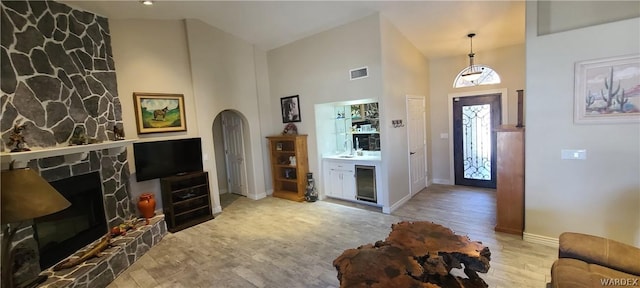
591, 261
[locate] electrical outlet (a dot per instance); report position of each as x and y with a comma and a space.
573, 154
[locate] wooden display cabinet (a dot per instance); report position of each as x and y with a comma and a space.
186, 200
289, 179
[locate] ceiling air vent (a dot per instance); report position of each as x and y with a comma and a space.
359, 73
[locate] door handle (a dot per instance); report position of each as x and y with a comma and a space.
411, 153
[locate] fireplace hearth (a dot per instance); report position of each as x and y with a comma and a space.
98, 272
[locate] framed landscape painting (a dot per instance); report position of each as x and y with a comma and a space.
157, 112
607, 90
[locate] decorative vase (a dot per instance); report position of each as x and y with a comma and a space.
147, 205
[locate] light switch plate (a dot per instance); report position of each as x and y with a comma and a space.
573, 154
444, 135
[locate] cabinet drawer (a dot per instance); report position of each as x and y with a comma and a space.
347, 167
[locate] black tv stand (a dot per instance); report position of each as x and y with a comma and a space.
186, 200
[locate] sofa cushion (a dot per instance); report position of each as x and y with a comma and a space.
573, 273
601, 251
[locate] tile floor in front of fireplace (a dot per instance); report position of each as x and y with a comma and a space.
279, 243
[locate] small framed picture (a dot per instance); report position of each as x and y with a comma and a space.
279, 146
290, 107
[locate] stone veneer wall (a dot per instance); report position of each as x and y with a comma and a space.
57, 74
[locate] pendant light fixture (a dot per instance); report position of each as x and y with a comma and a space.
473, 72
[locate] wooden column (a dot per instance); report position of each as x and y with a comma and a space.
510, 180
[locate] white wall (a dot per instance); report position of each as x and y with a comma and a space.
220, 160
214, 70
510, 65
557, 16
265, 113
151, 56
405, 71
224, 77
600, 195
317, 69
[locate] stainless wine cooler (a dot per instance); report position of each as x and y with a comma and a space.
366, 183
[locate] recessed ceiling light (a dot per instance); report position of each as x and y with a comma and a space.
147, 2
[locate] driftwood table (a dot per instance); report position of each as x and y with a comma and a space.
416, 254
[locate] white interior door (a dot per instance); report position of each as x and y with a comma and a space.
234, 153
416, 117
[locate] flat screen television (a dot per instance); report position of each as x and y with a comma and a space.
160, 159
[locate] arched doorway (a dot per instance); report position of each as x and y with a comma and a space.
230, 156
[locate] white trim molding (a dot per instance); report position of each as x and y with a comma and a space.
539, 239
442, 181
397, 204
258, 196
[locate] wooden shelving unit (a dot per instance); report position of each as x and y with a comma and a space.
186, 200
289, 179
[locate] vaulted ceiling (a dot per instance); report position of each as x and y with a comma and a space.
436, 28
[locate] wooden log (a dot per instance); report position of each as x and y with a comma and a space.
415, 254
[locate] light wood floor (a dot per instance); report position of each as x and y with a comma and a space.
279, 243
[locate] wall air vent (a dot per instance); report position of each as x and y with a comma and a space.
359, 73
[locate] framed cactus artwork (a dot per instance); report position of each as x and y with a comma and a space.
607, 90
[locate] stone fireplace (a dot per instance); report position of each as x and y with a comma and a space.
58, 76
112, 175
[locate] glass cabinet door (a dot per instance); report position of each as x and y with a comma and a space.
343, 127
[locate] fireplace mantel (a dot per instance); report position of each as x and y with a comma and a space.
22, 158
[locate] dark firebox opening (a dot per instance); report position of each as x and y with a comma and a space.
61, 234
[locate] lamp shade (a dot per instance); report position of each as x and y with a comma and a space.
26, 195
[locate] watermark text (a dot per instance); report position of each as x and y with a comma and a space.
619, 281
